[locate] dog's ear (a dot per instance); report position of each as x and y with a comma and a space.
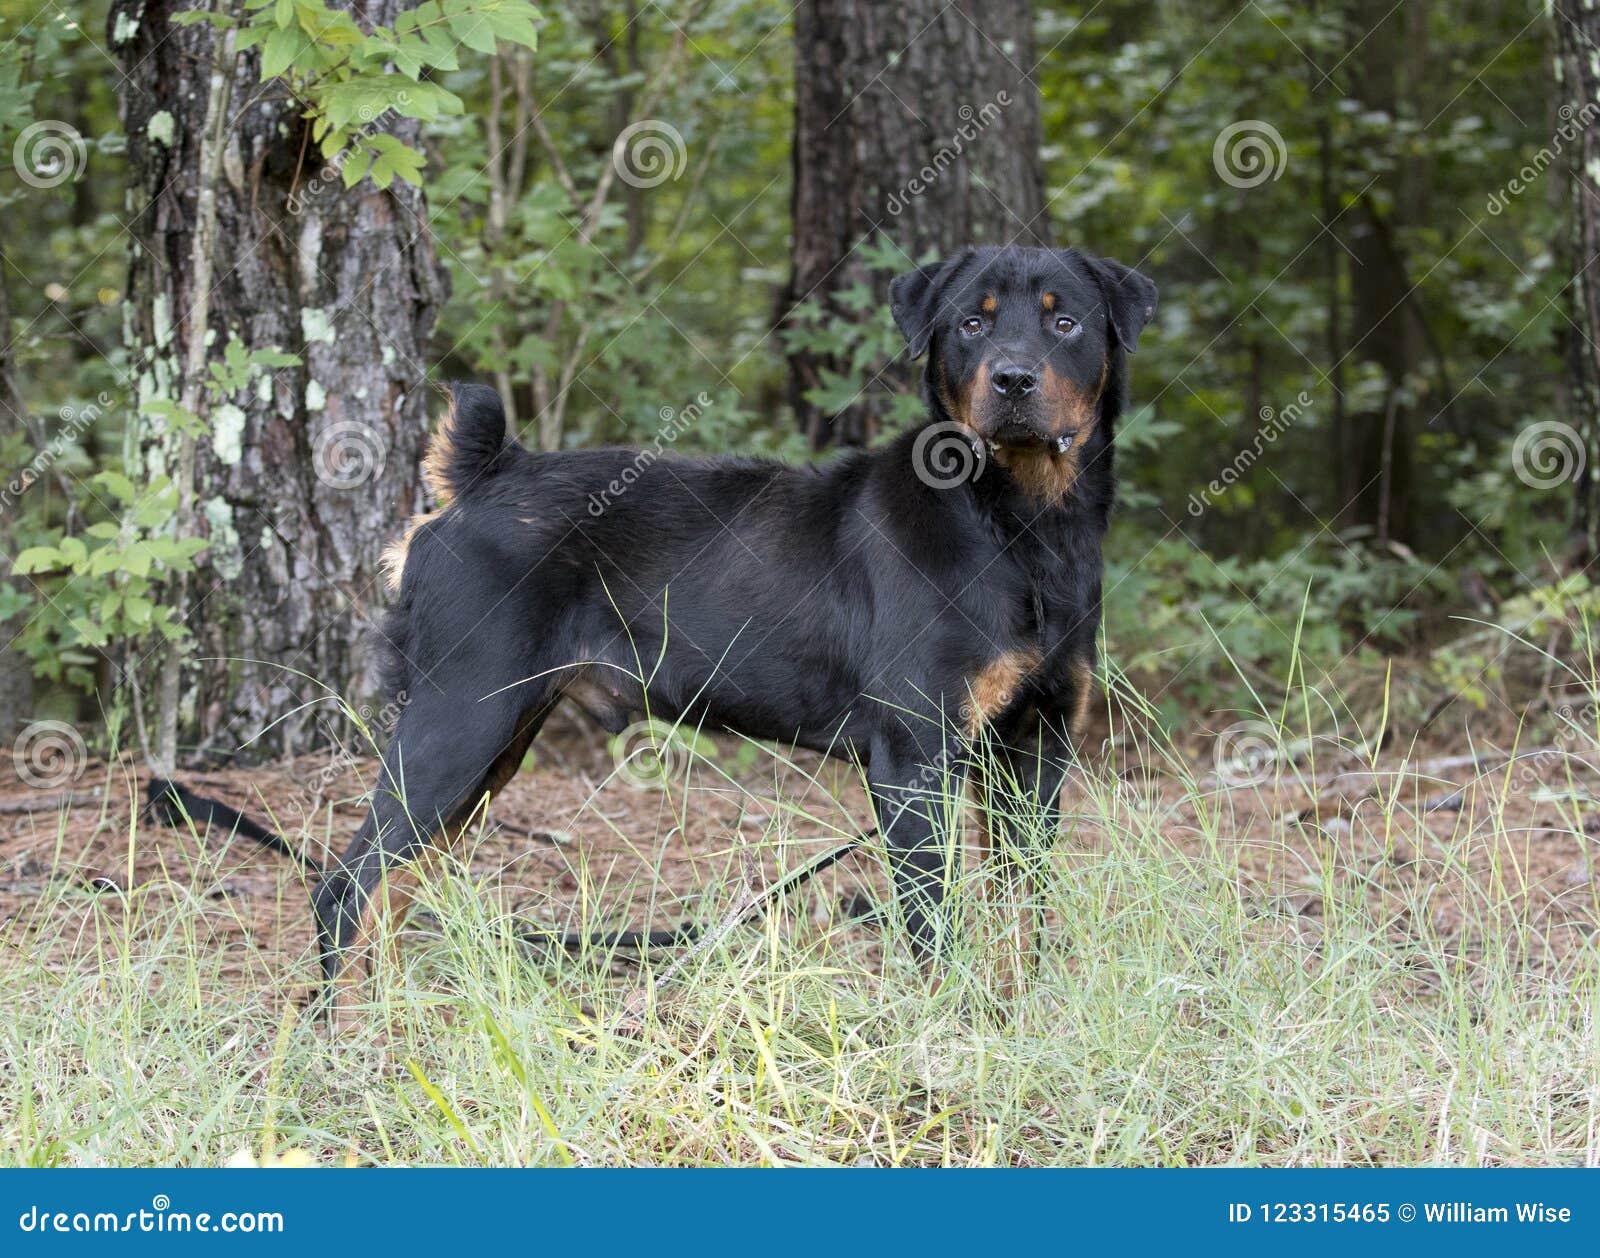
910, 301
1130, 298
914, 300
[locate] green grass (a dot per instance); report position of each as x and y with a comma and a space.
1184, 1013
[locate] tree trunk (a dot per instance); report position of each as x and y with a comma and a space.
16, 677
1386, 328
914, 119
308, 471
1577, 84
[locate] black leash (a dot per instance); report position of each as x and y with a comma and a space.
174, 805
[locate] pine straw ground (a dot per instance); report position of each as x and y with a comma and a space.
1286, 955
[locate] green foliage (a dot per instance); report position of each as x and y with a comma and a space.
1205, 631
239, 366
1131, 171
350, 79
836, 328
103, 584
604, 313
113, 575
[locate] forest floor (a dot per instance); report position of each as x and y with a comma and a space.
1277, 961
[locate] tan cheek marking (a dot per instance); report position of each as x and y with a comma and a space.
1069, 407
960, 404
1045, 474
994, 687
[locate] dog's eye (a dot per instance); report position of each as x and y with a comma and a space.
1065, 324
971, 326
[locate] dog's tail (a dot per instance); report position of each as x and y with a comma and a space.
469, 444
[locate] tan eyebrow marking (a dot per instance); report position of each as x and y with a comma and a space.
990, 304
1049, 301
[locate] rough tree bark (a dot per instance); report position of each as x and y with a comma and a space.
914, 119
1377, 471
1577, 76
309, 470
16, 679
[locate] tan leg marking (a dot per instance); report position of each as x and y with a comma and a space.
1083, 679
991, 691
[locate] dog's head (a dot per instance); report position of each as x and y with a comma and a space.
1021, 347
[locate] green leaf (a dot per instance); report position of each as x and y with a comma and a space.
279, 52
395, 158
474, 31
136, 559
356, 166
118, 485
38, 559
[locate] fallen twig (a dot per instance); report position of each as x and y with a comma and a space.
47, 803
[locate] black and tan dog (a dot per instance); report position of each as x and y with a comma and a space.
890, 606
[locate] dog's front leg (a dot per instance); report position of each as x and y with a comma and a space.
1019, 780
916, 794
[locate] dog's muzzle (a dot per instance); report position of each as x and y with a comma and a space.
1015, 435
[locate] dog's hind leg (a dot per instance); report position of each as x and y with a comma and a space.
445, 756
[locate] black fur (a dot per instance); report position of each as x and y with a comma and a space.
853, 607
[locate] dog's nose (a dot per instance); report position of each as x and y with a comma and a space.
1012, 381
